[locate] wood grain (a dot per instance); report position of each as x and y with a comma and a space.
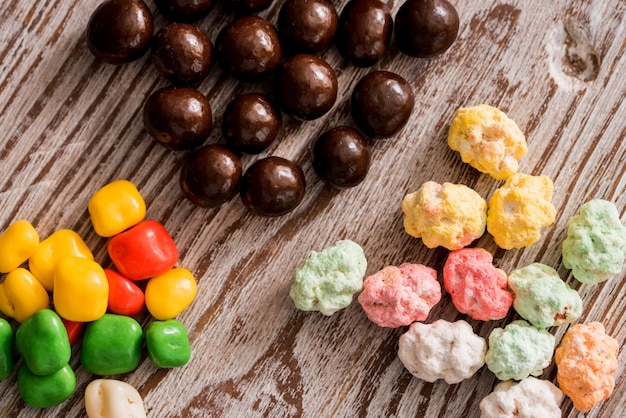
71, 123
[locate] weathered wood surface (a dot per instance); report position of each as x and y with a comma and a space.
71, 123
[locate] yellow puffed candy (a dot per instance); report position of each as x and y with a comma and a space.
17, 243
170, 293
21, 295
116, 207
448, 215
487, 140
519, 209
61, 243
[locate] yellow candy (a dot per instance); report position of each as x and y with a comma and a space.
170, 293
17, 243
487, 140
81, 289
21, 295
519, 209
61, 243
116, 207
448, 215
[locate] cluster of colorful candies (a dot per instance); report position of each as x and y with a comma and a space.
86, 297
453, 216
305, 86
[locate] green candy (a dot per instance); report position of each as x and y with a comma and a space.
46, 391
43, 342
7, 358
112, 345
168, 343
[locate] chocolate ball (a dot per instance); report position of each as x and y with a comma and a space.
272, 186
306, 86
251, 123
341, 157
248, 7
119, 31
211, 175
425, 28
178, 118
364, 31
184, 10
248, 48
182, 53
307, 26
381, 103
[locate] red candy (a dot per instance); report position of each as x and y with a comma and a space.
125, 298
143, 251
74, 330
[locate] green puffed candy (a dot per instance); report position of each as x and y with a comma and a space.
519, 350
327, 280
7, 357
43, 342
112, 345
542, 298
167, 343
46, 391
595, 246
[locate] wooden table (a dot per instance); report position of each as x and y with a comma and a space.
71, 123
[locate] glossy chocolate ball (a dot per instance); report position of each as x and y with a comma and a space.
248, 7
341, 157
211, 175
272, 186
248, 48
306, 86
119, 31
184, 10
364, 31
381, 103
425, 28
251, 123
307, 26
179, 118
182, 53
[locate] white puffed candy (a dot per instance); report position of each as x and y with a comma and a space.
442, 350
110, 398
529, 398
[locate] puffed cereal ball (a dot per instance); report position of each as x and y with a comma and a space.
595, 246
519, 209
447, 215
487, 140
442, 350
531, 397
586, 361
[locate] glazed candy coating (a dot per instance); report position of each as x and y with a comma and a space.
442, 350
529, 398
586, 361
477, 287
398, 296
17, 243
519, 350
519, 209
595, 246
328, 279
447, 215
487, 140
542, 298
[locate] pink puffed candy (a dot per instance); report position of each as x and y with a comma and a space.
477, 288
398, 296
586, 361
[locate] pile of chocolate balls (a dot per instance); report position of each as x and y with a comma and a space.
250, 48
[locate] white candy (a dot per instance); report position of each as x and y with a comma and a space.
442, 350
529, 398
109, 398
